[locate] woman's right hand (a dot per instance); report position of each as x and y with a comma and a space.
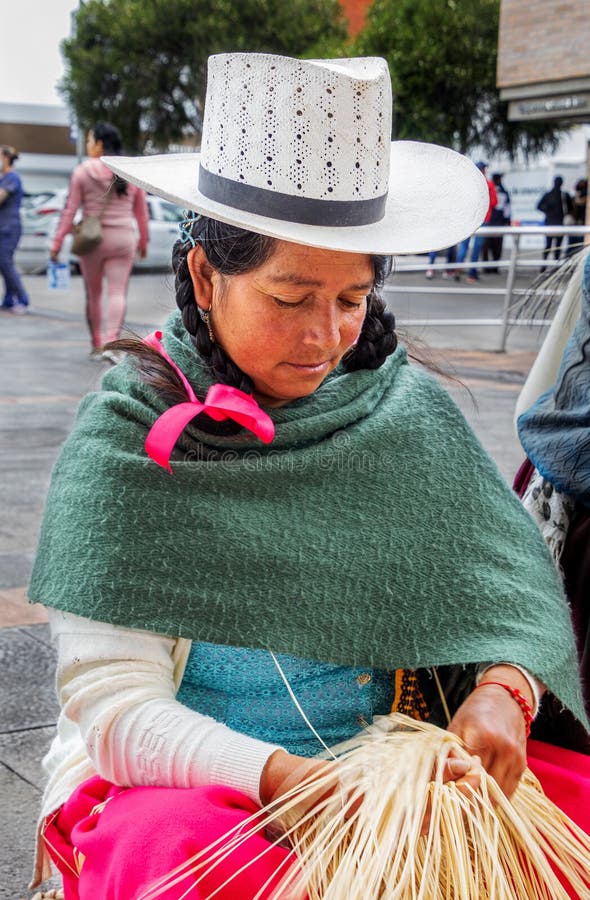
54, 256
466, 773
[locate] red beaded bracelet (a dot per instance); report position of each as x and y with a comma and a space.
520, 699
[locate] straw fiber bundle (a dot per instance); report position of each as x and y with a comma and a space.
381, 823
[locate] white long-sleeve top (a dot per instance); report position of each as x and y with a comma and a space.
119, 718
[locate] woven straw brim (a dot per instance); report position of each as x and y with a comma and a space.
436, 199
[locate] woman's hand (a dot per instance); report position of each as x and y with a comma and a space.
283, 771
491, 724
54, 256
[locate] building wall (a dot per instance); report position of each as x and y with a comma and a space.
543, 41
36, 128
543, 59
41, 135
53, 139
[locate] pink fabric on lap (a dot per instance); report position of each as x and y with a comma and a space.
565, 776
142, 833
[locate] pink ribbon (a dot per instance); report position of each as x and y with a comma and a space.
222, 402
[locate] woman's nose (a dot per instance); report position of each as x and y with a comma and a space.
324, 329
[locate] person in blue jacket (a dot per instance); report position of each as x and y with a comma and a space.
11, 192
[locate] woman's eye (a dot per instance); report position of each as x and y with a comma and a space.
284, 304
344, 301
352, 304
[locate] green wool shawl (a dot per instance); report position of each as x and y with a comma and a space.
373, 531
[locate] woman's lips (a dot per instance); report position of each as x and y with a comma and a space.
309, 368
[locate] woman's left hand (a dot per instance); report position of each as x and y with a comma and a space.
491, 724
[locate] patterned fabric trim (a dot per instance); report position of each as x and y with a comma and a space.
551, 510
408, 697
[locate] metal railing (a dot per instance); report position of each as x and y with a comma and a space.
517, 259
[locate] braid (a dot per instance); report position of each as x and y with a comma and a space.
221, 366
230, 250
377, 339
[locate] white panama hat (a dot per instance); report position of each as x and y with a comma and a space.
301, 150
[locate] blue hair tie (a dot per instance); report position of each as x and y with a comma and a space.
186, 226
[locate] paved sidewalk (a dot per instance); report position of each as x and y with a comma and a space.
45, 372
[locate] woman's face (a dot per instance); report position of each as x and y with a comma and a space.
94, 148
288, 323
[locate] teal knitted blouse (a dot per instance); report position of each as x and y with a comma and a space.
243, 689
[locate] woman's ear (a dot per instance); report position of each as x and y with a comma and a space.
201, 273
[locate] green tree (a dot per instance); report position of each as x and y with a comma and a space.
442, 56
141, 64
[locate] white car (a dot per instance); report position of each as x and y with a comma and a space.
163, 230
40, 216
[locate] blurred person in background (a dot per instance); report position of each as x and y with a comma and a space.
492, 248
117, 204
478, 241
579, 213
579, 201
450, 256
11, 193
556, 204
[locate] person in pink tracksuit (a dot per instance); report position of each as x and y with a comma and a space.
113, 257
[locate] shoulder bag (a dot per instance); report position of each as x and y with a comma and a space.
88, 232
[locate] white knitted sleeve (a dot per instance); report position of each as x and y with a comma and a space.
117, 684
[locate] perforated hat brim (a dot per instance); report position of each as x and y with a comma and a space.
436, 198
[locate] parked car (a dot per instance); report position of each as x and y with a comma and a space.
164, 218
31, 200
40, 216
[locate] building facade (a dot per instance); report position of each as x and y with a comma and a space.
45, 142
544, 59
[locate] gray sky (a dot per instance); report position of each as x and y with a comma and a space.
30, 61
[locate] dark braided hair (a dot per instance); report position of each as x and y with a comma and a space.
234, 251
231, 251
378, 338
